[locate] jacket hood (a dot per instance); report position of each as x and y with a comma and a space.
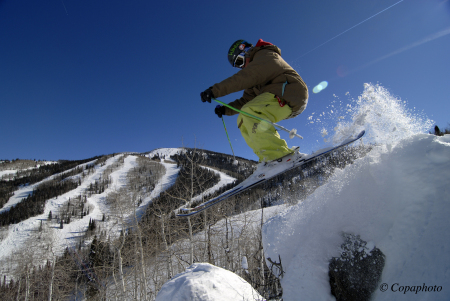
260, 45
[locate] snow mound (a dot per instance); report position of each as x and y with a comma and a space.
165, 152
396, 198
206, 282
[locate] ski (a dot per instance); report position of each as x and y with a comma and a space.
267, 172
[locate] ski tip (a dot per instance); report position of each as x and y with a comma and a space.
361, 134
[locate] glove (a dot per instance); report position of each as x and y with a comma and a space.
207, 95
219, 110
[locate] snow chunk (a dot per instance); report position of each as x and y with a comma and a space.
206, 282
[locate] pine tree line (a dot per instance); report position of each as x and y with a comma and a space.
438, 131
34, 203
32, 176
19, 164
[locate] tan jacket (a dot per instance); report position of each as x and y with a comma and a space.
266, 72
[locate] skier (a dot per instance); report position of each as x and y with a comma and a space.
273, 90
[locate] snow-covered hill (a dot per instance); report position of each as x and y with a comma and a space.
20, 237
165, 152
24, 191
9, 170
397, 200
25, 237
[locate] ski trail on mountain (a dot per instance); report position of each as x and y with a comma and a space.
25, 191
164, 183
17, 235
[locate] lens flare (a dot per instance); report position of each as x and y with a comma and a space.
320, 87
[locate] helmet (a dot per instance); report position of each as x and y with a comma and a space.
237, 48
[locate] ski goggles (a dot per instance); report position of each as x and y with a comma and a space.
239, 61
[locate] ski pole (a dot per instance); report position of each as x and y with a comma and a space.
234, 157
292, 133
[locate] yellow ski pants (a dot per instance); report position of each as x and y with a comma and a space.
261, 136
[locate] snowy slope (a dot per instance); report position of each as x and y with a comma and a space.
224, 180
167, 180
165, 152
7, 172
396, 198
24, 191
10, 172
399, 200
17, 238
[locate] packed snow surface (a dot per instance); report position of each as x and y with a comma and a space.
397, 198
165, 152
206, 282
7, 172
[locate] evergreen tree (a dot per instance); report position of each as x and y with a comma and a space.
437, 131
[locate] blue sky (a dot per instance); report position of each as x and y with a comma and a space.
85, 78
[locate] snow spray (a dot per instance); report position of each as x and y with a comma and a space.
385, 118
